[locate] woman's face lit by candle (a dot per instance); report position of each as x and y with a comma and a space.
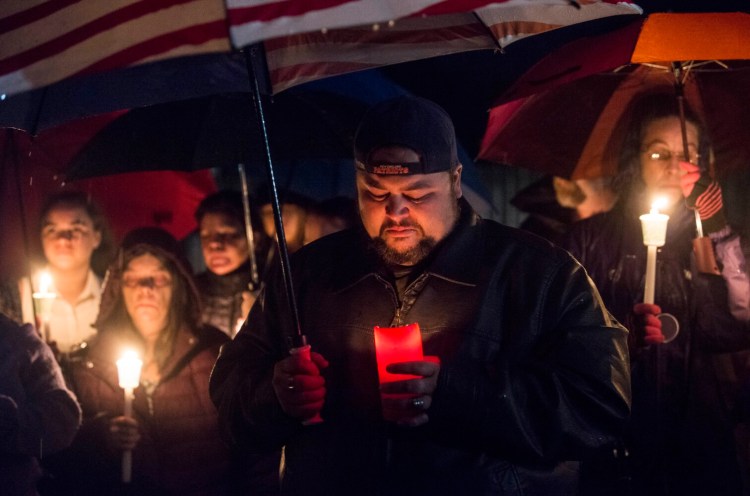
147, 291
661, 152
69, 238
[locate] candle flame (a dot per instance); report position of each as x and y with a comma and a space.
658, 203
45, 281
129, 369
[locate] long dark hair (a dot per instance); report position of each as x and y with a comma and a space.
628, 135
184, 310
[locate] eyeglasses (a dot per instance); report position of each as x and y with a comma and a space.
664, 156
159, 281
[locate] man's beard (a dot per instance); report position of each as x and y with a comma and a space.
411, 256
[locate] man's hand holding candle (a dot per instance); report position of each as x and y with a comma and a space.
299, 386
703, 194
413, 397
648, 325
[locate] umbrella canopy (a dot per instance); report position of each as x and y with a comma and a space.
42, 43
311, 132
219, 131
566, 129
81, 38
313, 55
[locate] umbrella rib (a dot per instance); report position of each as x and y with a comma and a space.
487, 28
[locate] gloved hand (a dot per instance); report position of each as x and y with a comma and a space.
704, 194
648, 329
299, 386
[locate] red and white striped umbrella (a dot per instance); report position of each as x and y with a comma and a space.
45, 41
308, 56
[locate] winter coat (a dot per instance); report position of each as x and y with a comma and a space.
180, 450
221, 297
39, 415
680, 433
533, 370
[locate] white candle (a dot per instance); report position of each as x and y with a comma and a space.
654, 225
648, 290
129, 376
43, 300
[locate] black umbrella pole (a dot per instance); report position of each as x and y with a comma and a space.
679, 89
254, 277
251, 58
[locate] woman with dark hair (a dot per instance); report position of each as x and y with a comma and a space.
680, 436
226, 286
150, 305
77, 247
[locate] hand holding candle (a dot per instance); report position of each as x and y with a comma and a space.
648, 324
654, 226
129, 376
407, 378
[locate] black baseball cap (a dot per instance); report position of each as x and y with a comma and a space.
411, 122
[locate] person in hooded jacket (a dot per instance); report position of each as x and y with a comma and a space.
679, 439
149, 304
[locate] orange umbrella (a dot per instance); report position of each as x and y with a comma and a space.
706, 36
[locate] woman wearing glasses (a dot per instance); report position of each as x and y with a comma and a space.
149, 304
680, 437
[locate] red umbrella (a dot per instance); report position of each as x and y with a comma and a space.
565, 128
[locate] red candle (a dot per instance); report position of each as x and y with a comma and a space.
394, 345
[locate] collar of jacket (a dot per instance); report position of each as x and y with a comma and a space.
107, 345
225, 285
455, 258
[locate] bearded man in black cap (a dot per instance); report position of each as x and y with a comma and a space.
531, 370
